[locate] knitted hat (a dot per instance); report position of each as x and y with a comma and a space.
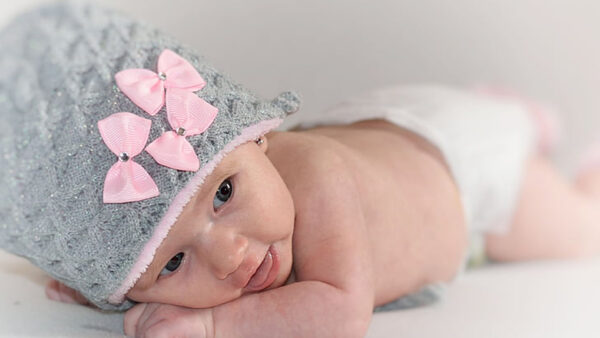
108, 128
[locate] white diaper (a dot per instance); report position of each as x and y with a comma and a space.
485, 141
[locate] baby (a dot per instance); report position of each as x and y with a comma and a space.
219, 226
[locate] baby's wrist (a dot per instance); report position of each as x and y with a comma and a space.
207, 321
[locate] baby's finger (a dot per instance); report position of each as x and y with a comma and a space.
59, 292
52, 290
131, 319
151, 316
81, 299
66, 294
162, 329
69, 295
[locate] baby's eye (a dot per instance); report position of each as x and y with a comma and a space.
223, 194
172, 265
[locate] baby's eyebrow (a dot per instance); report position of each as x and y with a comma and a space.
223, 170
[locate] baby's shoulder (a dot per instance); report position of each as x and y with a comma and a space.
329, 228
307, 162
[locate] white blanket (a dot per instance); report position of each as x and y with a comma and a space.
543, 299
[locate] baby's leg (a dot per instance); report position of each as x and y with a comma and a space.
554, 218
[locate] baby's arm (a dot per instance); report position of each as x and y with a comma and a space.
333, 295
302, 309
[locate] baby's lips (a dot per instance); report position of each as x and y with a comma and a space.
266, 273
261, 274
245, 271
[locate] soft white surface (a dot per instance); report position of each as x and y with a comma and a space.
26, 312
549, 299
545, 300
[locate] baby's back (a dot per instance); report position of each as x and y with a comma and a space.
414, 219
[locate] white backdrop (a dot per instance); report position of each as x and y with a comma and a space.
546, 49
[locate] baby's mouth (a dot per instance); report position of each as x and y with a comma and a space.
266, 273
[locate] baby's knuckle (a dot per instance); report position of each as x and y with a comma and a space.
131, 319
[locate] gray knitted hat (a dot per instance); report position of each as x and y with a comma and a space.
80, 197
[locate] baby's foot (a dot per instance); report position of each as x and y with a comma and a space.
62, 293
587, 174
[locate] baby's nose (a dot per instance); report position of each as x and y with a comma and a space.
227, 254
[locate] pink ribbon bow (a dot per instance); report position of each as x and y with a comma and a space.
125, 134
188, 115
147, 89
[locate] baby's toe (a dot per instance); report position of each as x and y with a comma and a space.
587, 173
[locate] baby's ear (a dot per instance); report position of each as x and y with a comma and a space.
262, 143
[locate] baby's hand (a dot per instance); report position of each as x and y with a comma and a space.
59, 292
163, 320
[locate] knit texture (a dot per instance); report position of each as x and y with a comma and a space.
57, 81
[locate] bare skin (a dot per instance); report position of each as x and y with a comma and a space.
363, 228
542, 230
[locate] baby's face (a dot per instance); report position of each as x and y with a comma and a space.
242, 215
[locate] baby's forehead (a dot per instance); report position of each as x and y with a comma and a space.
227, 165
233, 159
232, 162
